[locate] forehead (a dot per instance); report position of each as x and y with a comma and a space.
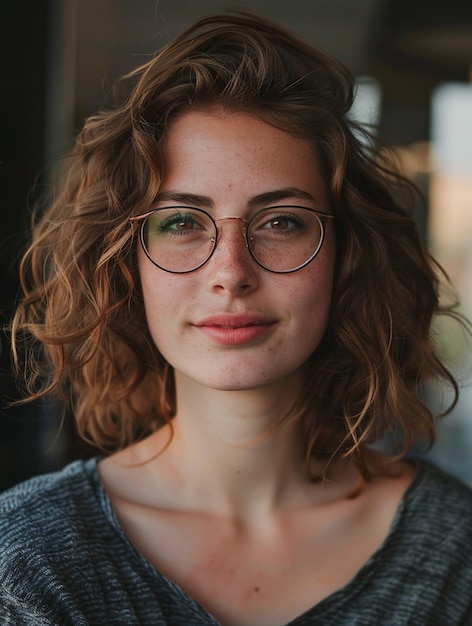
233, 152
237, 127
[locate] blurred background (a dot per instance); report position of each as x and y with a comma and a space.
413, 64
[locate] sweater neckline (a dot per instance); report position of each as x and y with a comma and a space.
344, 593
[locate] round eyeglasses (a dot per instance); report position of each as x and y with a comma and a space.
281, 239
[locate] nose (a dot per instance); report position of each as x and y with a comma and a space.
231, 267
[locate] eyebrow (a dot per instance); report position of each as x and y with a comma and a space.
265, 198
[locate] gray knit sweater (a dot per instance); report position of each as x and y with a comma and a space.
64, 560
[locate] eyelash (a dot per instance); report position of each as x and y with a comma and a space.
165, 227
294, 222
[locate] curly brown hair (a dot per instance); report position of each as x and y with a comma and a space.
82, 304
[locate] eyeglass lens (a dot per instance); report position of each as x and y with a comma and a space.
281, 239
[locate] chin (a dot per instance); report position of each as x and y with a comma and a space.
233, 384
250, 380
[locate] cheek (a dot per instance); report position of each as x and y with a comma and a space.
159, 300
161, 313
157, 294
314, 297
166, 298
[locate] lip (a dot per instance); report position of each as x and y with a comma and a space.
235, 329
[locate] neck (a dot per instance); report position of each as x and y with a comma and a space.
236, 452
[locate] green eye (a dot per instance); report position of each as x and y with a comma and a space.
178, 223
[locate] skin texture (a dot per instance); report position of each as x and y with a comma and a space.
231, 159
226, 509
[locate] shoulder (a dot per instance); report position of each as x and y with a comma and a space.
422, 573
434, 522
44, 530
435, 490
48, 489
53, 503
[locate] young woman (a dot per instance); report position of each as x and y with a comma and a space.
234, 305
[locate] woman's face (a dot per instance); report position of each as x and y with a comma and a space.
231, 324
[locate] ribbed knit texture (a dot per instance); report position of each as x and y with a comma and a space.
64, 560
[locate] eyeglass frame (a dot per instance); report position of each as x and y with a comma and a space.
322, 217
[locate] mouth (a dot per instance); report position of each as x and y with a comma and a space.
230, 329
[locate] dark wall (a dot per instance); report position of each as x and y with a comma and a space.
24, 43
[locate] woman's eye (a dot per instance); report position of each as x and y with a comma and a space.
280, 223
179, 223
283, 223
